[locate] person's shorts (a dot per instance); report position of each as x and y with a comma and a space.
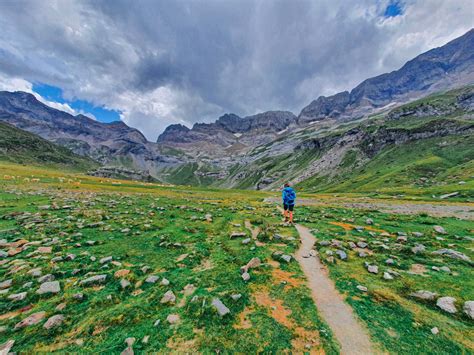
288, 207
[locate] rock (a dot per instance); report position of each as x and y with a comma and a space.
208, 217
49, 287
33, 319
237, 235
362, 254
452, 254
220, 307
105, 260
5, 347
439, 229
246, 276
387, 276
3, 254
78, 296
128, 351
452, 194
6, 284
402, 239
17, 296
35, 272
253, 263
447, 304
417, 234
362, 245
189, 289
418, 249
121, 273
361, 288
164, 282
342, 254
168, 297
236, 297
97, 279
374, 269
61, 306
173, 318
130, 341
424, 295
46, 278
352, 245
246, 241
390, 261
469, 309
434, 330
146, 339
445, 269
369, 221
27, 284
324, 243
286, 258
151, 279
53, 321
124, 283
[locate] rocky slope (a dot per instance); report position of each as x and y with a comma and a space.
449, 66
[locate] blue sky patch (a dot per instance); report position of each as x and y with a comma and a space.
394, 8
53, 93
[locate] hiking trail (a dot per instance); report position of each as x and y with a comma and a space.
349, 332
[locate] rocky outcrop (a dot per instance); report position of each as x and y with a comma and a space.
121, 173
449, 66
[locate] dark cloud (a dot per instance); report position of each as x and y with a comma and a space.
162, 62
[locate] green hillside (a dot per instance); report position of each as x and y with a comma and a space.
23, 147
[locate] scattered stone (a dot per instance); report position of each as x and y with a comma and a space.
324, 243
124, 283
151, 279
49, 287
390, 261
54, 321
246, 276
236, 296
27, 284
5, 347
369, 221
361, 288
342, 254
208, 217
168, 297
445, 269
165, 282
424, 295
362, 245
145, 269
157, 323
130, 341
61, 306
452, 254
6, 284
189, 289
33, 319
97, 279
447, 304
374, 269
387, 276
440, 230
78, 296
452, 194
253, 263
220, 307
173, 318
417, 234
402, 239
418, 249
121, 273
105, 260
469, 309
434, 330
46, 278
237, 235
286, 258
17, 296
246, 241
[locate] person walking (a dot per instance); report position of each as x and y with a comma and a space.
289, 197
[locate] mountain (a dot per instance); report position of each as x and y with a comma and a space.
229, 135
449, 66
108, 143
22, 147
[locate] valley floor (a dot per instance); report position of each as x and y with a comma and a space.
98, 265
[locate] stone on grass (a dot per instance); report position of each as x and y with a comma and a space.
417, 234
447, 304
374, 269
369, 221
61, 306
130, 341
6, 284
157, 323
452, 254
434, 330
361, 288
220, 307
124, 283
237, 235
469, 309
46, 278
362, 245
424, 295
236, 296
151, 279
49, 287
78, 296
246, 241
342, 254
440, 230
246, 276
286, 258
168, 297
389, 261
35, 272
418, 249
17, 296
97, 279
387, 276
253, 263
54, 321
33, 319
173, 318
146, 339
107, 259
165, 282
189, 289
5, 347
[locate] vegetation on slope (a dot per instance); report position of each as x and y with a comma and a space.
23, 147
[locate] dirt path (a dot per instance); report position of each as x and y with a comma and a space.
459, 210
330, 303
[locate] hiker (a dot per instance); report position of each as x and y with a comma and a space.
289, 196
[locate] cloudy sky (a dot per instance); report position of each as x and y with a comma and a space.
156, 62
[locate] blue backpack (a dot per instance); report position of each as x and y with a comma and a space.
290, 196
